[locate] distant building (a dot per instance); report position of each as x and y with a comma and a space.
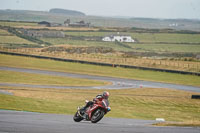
118, 37
76, 24
173, 25
48, 24
198, 57
55, 25
45, 23
66, 23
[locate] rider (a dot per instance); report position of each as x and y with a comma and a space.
98, 98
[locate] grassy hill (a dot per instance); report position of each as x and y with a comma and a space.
59, 16
66, 12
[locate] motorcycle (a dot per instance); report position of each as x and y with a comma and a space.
93, 113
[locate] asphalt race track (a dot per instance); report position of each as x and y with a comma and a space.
117, 83
29, 122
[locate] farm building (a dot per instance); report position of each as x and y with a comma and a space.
67, 23
82, 23
48, 24
198, 57
55, 25
118, 37
45, 23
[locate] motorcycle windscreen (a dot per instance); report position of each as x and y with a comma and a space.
105, 103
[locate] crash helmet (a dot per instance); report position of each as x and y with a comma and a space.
105, 94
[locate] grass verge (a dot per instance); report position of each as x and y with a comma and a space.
41, 79
180, 124
143, 103
27, 62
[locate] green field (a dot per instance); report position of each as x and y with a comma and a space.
166, 37
145, 103
167, 48
58, 41
40, 79
13, 40
159, 44
26, 62
89, 33
6, 23
147, 37
7, 39
4, 32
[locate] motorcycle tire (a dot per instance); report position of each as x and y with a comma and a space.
77, 117
97, 116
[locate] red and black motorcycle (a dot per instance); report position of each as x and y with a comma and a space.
93, 113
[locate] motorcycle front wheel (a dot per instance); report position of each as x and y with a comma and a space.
77, 117
97, 116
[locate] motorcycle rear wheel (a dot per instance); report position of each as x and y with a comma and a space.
77, 117
97, 116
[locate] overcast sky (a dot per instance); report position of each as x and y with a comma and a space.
131, 8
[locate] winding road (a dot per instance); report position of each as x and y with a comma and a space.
117, 83
30, 122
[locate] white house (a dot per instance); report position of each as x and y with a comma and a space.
118, 37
